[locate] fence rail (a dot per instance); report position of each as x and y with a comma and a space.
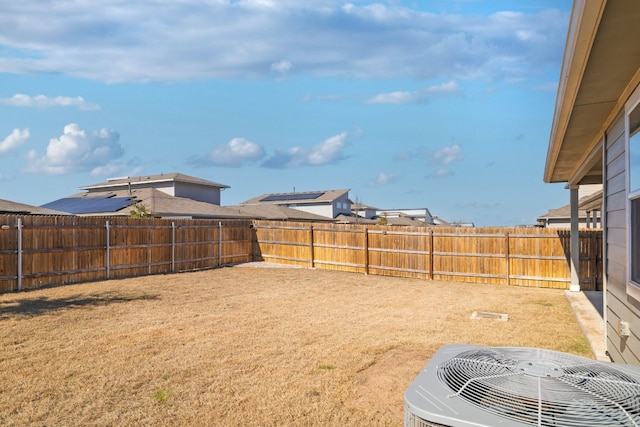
43, 250
508, 256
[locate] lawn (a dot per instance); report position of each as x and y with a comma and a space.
250, 346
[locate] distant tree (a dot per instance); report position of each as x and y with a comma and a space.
139, 211
383, 219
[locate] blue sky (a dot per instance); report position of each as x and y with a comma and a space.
440, 104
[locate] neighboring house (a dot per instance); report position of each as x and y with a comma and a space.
326, 203
363, 211
589, 213
173, 184
403, 219
408, 217
418, 214
439, 221
163, 196
595, 139
9, 207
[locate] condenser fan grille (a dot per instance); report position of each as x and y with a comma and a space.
543, 388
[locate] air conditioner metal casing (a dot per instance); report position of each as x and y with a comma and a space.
521, 387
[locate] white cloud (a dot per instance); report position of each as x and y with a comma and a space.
440, 173
394, 98
145, 40
12, 141
328, 151
42, 101
117, 169
77, 150
447, 155
234, 153
424, 94
383, 179
281, 67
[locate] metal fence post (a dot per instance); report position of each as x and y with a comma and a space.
219, 243
507, 258
108, 253
19, 254
311, 249
431, 263
173, 246
366, 250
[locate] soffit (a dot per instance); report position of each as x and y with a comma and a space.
598, 72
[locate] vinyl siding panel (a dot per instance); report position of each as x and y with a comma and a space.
617, 202
619, 305
616, 184
615, 133
616, 166
615, 238
617, 217
627, 347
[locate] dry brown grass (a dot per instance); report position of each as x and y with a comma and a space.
249, 346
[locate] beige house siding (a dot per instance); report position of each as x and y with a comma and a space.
619, 305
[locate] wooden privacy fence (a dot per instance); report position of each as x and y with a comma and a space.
44, 250
53, 250
509, 256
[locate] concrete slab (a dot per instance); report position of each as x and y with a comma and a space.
587, 307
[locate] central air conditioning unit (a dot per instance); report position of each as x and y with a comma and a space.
466, 385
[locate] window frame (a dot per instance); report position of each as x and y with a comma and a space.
632, 197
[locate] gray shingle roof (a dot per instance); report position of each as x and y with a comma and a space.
269, 211
147, 179
7, 206
585, 203
160, 204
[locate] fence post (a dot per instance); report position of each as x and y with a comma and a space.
431, 254
507, 256
219, 243
19, 254
108, 254
311, 250
366, 250
173, 246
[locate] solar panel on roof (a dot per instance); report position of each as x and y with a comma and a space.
84, 205
291, 196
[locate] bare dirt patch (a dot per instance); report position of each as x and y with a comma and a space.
250, 346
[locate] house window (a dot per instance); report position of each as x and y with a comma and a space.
633, 150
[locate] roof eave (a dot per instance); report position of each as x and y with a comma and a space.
584, 22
